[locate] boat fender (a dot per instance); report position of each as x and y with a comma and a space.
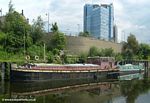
36, 57
27, 57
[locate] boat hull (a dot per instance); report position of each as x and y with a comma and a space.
116, 75
30, 75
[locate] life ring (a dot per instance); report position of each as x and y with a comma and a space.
27, 57
36, 57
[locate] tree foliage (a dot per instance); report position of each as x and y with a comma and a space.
130, 48
101, 52
37, 30
54, 27
17, 31
93, 51
11, 8
58, 41
84, 34
144, 51
35, 50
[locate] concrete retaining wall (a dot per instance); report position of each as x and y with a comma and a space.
77, 45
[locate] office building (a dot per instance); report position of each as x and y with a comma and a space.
115, 33
99, 20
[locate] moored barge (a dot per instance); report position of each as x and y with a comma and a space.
46, 72
42, 72
97, 68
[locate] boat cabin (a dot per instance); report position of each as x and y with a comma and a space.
103, 62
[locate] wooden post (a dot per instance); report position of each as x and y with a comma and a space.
3, 71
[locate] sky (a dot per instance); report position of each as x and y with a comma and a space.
130, 16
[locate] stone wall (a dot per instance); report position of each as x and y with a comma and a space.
77, 45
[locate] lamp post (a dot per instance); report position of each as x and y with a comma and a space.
47, 14
24, 43
68, 31
44, 52
78, 28
123, 36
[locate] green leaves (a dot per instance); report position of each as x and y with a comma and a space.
54, 27
130, 48
58, 41
101, 52
84, 34
35, 50
16, 28
37, 30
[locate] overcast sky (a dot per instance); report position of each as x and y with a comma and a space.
131, 16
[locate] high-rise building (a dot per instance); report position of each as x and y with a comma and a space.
99, 20
115, 33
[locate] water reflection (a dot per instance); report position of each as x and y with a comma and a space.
132, 89
77, 91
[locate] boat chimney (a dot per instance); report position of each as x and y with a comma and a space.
22, 13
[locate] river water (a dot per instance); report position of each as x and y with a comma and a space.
77, 91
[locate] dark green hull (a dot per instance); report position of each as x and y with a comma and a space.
46, 76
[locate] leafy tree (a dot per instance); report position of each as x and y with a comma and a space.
93, 51
1, 25
2, 38
58, 41
130, 48
82, 58
118, 57
144, 51
56, 44
84, 34
101, 52
54, 27
17, 30
50, 57
10, 5
109, 52
37, 30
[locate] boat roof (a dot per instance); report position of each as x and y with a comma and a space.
128, 64
45, 64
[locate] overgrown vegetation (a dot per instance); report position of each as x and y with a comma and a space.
84, 34
19, 39
133, 50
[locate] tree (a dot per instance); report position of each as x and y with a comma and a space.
54, 27
93, 51
37, 30
2, 38
101, 52
144, 51
17, 30
118, 57
130, 48
1, 25
108, 52
58, 41
84, 34
82, 58
10, 5
50, 57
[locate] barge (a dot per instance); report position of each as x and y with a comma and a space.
46, 72
42, 72
127, 70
